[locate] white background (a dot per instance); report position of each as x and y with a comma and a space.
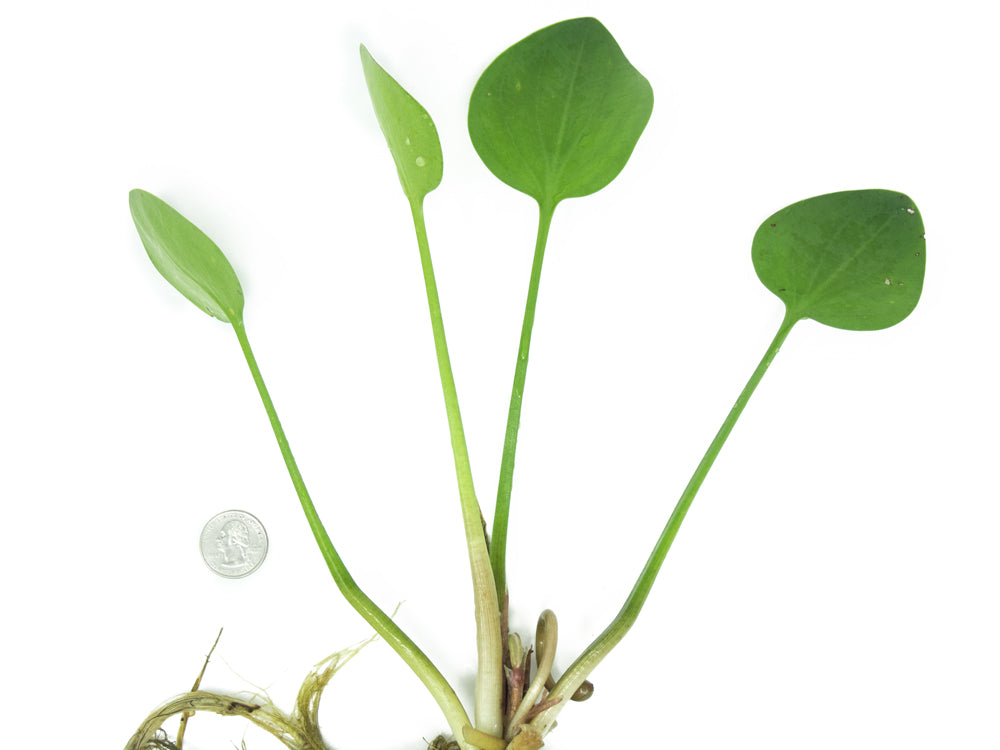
836, 583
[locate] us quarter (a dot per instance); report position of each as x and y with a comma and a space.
234, 544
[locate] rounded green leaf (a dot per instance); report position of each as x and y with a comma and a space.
558, 114
186, 257
408, 129
852, 260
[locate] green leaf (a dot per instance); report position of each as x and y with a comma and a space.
408, 129
186, 257
558, 114
852, 260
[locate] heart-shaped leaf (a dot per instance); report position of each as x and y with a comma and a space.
558, 114
408, 129
186, 257
852, 260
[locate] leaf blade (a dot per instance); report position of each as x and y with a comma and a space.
186, 257
853, 260
408, 129
558, 114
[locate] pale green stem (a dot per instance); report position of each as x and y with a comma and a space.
498, 539
596, 651
391, 633
489, 677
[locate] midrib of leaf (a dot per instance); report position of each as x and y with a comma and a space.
817, 292
558, 150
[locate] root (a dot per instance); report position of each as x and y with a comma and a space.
298, 730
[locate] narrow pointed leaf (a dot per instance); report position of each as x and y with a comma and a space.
186, 257
852, 260
558, 114
408, 129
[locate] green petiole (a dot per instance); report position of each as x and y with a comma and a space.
489, 677
626, 617
390, 632
498, 540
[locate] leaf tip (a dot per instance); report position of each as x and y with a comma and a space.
136, 197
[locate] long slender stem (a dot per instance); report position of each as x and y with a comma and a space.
498, 540
433, 680
489, 676
607, 640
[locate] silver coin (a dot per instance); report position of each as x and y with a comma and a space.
234, 544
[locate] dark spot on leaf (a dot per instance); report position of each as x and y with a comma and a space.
774, 225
